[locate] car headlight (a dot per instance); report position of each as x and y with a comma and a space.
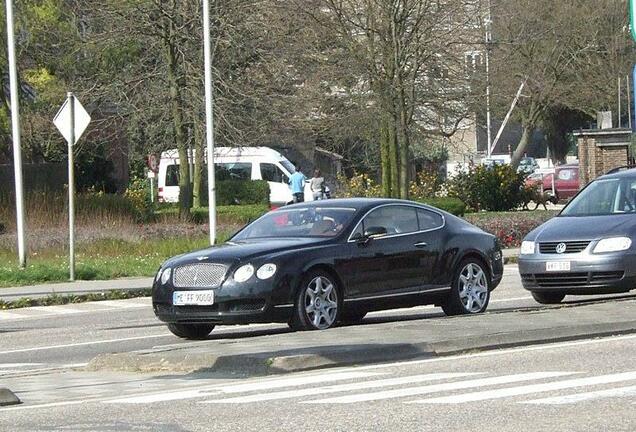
158, 275
243, 273
527, 248
266, 271
613, 244
165, 276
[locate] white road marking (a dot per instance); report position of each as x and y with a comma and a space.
339, 388
98, 342
529, 389
119, 304
252, 386
583, 397
435, 388
17, 365
4, 315
55, 310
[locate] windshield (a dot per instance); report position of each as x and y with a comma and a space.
301, 222
288, 166
604, 197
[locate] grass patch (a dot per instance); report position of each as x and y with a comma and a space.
100, 260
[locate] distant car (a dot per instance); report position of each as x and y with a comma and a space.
527, 165
315, 264
566, 182
589, 248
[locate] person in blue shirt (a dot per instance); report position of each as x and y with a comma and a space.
297, 185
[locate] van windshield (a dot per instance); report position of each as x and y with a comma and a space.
222, 171
288, 166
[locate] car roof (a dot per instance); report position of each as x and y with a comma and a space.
628, 173
355, 203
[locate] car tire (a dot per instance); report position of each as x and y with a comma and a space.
191, 331
318, 302
553, 297
352, 316
470, 289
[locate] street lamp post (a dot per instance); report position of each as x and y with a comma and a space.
15, 129
209, 119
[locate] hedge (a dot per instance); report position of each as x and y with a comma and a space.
242, 192
232, 214
452, 205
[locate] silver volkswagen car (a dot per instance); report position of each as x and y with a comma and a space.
589, 248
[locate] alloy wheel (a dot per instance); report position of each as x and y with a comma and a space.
321, 302
473, 288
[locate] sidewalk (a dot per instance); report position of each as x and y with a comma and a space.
78, 287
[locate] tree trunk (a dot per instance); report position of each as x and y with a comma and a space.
384, 156
394, 159
528, 130
404, 145
175, 84
197, 187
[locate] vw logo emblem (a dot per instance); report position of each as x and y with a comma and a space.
560, 248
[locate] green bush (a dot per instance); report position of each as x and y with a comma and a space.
231, 215
452, 205
242, 192
496, 188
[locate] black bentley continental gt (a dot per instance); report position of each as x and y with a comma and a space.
315, 264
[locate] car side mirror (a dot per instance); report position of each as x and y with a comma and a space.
375, 231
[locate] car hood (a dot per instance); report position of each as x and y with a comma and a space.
235, 251
569, 228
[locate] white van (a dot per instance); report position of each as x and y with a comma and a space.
240, 163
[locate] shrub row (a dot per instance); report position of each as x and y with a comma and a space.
451, 205
509, 227
237, 192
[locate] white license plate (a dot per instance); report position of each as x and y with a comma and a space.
198, 298
557, 266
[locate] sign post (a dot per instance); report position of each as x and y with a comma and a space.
632, 17
71, 120
209, 120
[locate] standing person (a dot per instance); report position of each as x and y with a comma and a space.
317, 185
297, 185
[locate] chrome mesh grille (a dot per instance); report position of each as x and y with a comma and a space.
199, 275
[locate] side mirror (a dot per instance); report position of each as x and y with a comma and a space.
375, 231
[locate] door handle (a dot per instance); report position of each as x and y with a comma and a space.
421, 245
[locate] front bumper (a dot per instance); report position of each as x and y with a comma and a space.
255, 301
589, 273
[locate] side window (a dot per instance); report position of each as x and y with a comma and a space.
565, 174
428, 220
233, 171
172, 175
272, 173
396, 219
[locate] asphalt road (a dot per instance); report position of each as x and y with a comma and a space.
35, 339
578, 386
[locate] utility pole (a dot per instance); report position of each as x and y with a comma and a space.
209, 120
488, 118
15, 129
71, 188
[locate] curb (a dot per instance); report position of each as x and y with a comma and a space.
265, 363
7, 397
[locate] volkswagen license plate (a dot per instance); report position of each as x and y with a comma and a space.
557, 266
198, 298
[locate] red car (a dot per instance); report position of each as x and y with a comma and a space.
566, 182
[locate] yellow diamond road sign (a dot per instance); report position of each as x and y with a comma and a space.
62, 120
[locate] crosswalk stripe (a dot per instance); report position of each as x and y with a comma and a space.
253, 386
339, 388
535, 388
412, 391
583, 397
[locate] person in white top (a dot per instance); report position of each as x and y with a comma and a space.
317, 184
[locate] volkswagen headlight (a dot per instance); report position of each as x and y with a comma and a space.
266, 271
165, 276
243, 273
527, 248
614, 244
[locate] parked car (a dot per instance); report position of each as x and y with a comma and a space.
528, 165
565, 185
315, 264
589, 248
240, 163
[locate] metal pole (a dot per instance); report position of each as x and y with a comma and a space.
619, 102
488, 118
209, 119
505, 121
629, 103
15, 129
71, 188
